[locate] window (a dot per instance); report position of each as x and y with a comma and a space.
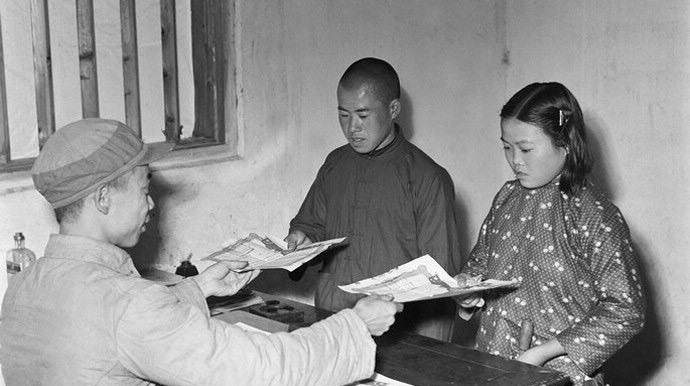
208, 65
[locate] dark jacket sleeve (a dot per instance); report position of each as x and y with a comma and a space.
311, 218
437, 231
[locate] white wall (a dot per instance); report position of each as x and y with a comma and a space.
627, 66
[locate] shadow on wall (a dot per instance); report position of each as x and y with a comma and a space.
636, 362
641, 358
601, 153
148, 250
406, 114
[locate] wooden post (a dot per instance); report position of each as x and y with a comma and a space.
170, 83
4, 126
43, 73
87, 59
130, 64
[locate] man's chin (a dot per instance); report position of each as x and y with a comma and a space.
361, 149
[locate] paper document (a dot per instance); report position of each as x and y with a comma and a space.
246, 327
270, 252
420, 279
379, 380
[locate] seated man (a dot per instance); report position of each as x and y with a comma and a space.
83, 315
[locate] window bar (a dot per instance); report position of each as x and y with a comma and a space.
4, 126
130, 64
199, 60
87, 59
215, 86
170, 83
43, 73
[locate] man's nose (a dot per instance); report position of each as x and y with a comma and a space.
354, 125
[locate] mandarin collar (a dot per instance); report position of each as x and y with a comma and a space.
90, 251
553, 184
395, 143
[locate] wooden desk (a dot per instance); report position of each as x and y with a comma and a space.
423, 361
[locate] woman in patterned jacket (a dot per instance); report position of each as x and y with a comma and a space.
580, 289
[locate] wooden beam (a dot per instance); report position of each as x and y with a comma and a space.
130, 64
87, 59
43, 72
5, 157
171, 100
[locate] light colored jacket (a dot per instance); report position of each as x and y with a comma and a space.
83, 316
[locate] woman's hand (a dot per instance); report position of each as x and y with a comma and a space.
471, 300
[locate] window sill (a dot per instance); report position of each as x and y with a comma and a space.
19, 181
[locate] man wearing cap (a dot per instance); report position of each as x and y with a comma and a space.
83, 315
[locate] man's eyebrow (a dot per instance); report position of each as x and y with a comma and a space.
360, 110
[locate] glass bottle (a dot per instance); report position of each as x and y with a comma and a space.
19, 257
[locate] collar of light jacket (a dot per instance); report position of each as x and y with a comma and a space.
90, 251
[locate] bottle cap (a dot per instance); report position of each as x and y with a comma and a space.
186, 269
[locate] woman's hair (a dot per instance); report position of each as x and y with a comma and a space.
554, 109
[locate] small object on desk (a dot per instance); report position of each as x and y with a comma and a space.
242, 299
275, 310
256, 321
186, 268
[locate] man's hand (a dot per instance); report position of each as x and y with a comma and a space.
377, 312
296, 239
220, 279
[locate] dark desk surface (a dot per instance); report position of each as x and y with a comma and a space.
423, 361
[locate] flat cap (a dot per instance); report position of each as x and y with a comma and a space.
85, 154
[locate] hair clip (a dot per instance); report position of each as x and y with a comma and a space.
563, 117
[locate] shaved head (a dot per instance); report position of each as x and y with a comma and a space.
376, 74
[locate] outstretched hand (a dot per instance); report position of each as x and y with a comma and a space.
377, 312
220, 279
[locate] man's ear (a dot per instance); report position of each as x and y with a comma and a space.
395, 108
101, 198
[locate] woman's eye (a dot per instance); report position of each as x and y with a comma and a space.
525, 150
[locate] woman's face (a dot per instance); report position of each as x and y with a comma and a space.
531, 154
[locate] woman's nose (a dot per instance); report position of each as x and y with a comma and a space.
517, 158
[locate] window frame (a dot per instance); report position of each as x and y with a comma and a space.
215, 135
